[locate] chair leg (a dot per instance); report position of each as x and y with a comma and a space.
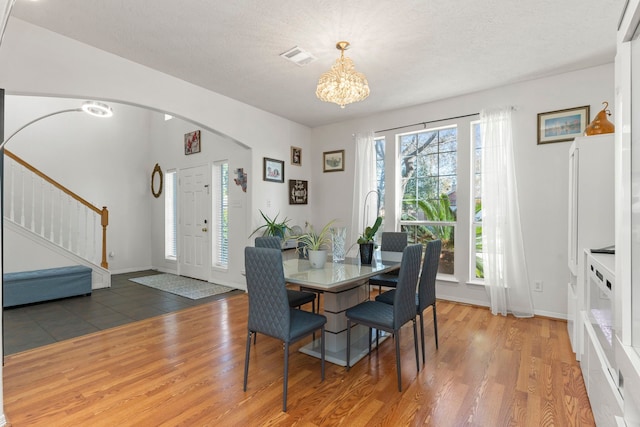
348, 342
246, 360
422, 335
435, 325
255, 338
313, 310
322, 351
369, 341
415, 344
398, 369
286, 377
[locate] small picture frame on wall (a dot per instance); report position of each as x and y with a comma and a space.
333, 161
298, 192
562, 125
192, 142
273, 170
296, 156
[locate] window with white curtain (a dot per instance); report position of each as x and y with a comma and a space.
380, 176
220, 220
170, 214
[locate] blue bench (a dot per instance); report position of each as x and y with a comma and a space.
27, 287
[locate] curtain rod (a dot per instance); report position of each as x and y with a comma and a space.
428, 122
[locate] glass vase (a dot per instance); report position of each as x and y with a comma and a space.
338, 240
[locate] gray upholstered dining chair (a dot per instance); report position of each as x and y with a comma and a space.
391, 241
426, 295
296, 298
391, 318
269, 310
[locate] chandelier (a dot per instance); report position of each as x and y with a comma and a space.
342, 84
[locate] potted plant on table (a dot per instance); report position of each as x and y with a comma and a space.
366, 242
315, 244
272, 227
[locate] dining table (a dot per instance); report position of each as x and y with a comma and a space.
343, 285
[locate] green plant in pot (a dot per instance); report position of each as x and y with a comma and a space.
315, 244
272, 227
366, 241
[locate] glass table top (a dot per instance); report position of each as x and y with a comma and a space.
335, 276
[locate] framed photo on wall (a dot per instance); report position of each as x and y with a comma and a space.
298, 192
333, 161
562, 125
192, 142
273, 170
296, 156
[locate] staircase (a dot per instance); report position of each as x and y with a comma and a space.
49, 215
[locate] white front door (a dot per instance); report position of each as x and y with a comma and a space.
193, 230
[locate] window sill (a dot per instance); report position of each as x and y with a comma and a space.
452, 279
476, 282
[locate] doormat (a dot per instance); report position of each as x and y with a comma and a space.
183, 286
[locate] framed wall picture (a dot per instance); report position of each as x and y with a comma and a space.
333, 161
273, 170
192, 142
296, 156
562, 125
298, 192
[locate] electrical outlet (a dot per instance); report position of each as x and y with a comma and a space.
537, 285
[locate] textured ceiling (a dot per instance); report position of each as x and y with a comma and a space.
411, 51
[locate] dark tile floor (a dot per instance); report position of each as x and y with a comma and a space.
35, 325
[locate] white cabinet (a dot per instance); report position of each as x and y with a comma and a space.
591, 218
591, 196
606, 401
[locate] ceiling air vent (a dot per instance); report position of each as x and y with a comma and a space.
298, 56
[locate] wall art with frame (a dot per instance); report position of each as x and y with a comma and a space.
273, 170
296, 156
298, 192
192, 142
562, 125
333, 161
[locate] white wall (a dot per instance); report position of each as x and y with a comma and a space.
103, 161
37, 61
542, 172
167, 150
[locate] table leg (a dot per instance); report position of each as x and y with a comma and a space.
335, 305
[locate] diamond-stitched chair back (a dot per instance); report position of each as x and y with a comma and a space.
268, 301
393, 241
427, 286
404, 304
269, 242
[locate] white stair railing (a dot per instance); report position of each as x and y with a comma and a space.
44, 207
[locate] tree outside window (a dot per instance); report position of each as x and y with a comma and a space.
429, 181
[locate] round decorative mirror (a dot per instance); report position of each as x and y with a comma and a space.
156, 170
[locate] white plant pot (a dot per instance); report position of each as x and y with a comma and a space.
317, 258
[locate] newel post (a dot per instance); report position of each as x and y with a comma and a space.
104, 221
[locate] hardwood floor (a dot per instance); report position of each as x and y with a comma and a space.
186, 368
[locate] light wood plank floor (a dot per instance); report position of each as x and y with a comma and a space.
186, 368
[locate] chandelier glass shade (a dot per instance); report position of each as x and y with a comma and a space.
342, 84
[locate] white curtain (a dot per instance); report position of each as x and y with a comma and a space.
363, 184
505, 267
